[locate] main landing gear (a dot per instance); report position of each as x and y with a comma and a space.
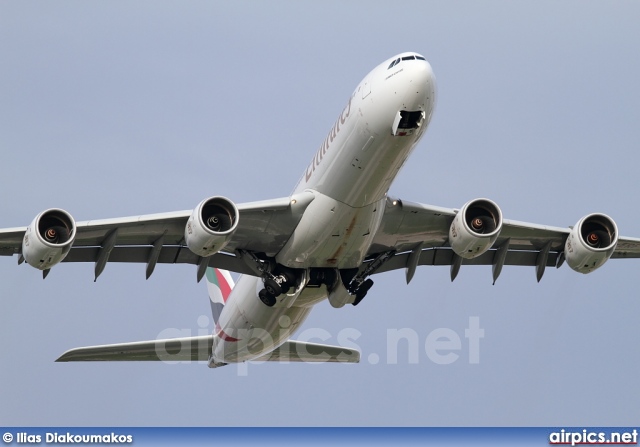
283, 279
361, 291
356, 284
279, 279
277, 283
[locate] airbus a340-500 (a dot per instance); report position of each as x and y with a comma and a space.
324, 241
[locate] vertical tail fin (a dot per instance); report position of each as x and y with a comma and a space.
219, 285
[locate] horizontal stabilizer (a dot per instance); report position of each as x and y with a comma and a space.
298, 351
198, 349
171, 350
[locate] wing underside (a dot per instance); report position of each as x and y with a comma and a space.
264, 227
413, 234
410, 234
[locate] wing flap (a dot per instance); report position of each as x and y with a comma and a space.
443, 256
168, 255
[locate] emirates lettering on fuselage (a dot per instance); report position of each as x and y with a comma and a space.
327, 141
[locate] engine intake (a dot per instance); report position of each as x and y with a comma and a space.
591, 243
211, 226
475, 228
48, 238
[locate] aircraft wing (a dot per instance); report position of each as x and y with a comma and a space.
416, 234
263, 227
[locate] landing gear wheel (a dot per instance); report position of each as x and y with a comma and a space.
267, 298
362, 291
289, 281
272, 287
285, 287
290, 276
285, 280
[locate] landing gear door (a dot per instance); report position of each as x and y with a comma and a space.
406, 123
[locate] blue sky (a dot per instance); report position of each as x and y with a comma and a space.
111, 109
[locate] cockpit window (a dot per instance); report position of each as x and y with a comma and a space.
405, 58
394, 63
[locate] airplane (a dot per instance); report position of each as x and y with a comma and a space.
324, 241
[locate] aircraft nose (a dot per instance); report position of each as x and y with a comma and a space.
420, 87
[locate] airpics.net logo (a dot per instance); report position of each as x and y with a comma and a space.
591, 437
440, 346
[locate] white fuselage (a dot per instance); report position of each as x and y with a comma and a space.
349, 176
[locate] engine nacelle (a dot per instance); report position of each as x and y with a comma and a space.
211, 226
475, 228
48, 238
591, 243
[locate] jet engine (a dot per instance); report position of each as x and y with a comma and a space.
591, 243
48, 238
475, 228
211, 226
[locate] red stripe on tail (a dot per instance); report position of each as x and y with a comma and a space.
225, 288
